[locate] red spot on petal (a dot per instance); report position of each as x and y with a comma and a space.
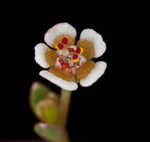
60, 46
75, 56
64, 40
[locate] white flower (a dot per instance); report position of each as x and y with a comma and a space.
67, 64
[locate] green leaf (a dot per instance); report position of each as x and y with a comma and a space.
47, 110
50, 132
38, 92
44, 103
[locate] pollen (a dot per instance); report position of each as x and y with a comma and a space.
69, 58
81, 50
56, 47
76, 60
59, 46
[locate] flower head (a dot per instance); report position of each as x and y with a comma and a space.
68, 63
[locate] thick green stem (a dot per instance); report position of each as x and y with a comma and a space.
64, 107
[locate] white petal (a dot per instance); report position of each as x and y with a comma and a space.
94, 75
67, 85
96, 39
59, 29
40, 50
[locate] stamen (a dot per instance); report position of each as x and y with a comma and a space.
64, 40
71, 49
75, 56
70, 58
64, 66
81, 50
61, 61
60, 46
76, 60
78, 50
56, 47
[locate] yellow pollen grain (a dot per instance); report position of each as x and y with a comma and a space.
87, 47
81, 50
56, 46
75, 60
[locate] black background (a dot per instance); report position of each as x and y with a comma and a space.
91, 111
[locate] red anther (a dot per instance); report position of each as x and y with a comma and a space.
61, 61
60, 46
75, 56
64, 66
78, 50
64, 40
71, 49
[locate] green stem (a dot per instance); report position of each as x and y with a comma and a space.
64, 107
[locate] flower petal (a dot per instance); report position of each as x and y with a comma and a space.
65, 75
85, 69
59, 39
96, 39
94, 75
40, 50
57, 30
88, 49
51, 56
67, 85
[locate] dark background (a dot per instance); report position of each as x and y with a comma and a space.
91, 111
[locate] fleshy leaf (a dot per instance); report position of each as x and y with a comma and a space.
47, 110
50, 132
38, 92
44, 103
